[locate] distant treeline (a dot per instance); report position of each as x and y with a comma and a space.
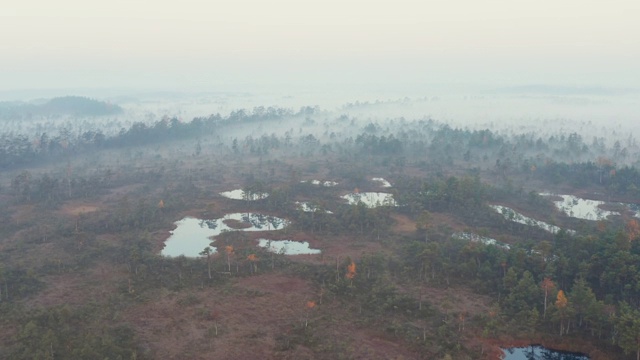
558, 159
22, 150
67, 105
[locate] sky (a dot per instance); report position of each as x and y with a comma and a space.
243, 44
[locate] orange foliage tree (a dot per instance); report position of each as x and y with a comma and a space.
310, 305
351, 271
633, 229
229, 250
561, 305
546, 285
253, 259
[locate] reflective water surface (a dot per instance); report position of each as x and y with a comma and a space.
309, 207
515, 216
371, 199
287, 247
537, 352
481, 239
193, 235
239, 194
580, 208
321, 183
382, 181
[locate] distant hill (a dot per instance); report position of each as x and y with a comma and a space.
67, 105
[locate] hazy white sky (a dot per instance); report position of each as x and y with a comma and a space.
218, 44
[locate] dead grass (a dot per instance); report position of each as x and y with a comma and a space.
75, 209
22, 213
76, 288
250, 315
403, 224
253, 313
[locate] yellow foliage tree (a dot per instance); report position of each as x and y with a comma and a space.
229, 250
561, 300
561, 305
351, 270
254, 262
633, 229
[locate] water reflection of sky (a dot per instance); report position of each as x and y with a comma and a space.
580, 208
382, 181
287, 247
481, 239
193, 235
325, 183
371, 199
239, 194
306, 206
515, 216
540, 353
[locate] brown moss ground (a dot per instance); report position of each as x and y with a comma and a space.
255, 314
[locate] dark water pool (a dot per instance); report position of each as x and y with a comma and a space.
537, 352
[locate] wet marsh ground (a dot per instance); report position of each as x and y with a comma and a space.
260, 312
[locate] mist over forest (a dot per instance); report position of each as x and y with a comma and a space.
600, 121
320, 180
446, 225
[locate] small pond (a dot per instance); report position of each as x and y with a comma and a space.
489, 241
287, 247
537, 352
192, 235
515, 216
371, 199
321, 183
239, 194
382, 181
309, 207
580, 208
481, 239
